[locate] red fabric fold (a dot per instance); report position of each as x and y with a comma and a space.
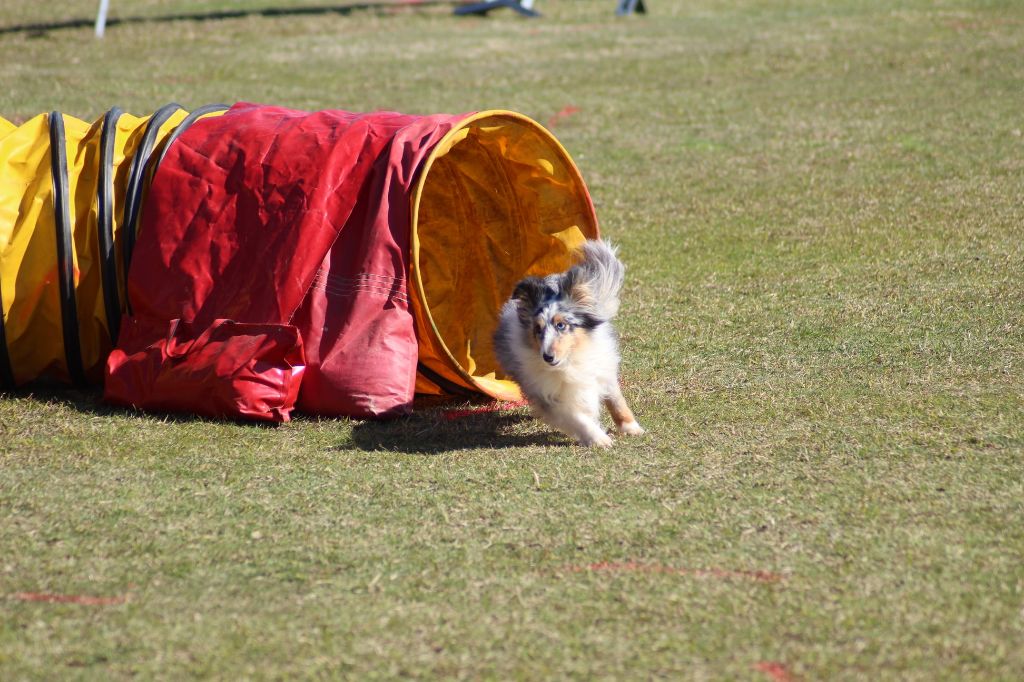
272, 216
229, 369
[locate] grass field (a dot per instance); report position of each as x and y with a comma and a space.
821, 205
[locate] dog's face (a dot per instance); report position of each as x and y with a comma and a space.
549, 310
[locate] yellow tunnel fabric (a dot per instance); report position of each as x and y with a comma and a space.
498, 199
29, 239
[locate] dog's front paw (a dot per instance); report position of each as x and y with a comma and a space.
600, 440
631, 428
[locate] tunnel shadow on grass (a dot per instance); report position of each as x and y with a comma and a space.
84, 400
90, 401
436, 425
432, 433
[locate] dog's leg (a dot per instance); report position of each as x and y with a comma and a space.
586, 429
583, 427
621, 414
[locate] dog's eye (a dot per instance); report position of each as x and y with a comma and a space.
561, 326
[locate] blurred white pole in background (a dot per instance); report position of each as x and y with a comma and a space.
101, 18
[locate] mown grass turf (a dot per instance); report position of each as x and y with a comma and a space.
821, 206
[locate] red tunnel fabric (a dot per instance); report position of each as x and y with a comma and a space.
297, 223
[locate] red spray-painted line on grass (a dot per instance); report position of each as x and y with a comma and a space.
638, 567
775, 670
493, 407
564, 113
69, 598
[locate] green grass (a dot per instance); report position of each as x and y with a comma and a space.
821, 204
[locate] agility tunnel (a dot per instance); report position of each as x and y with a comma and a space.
244, 261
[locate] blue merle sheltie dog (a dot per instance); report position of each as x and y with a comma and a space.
556, 341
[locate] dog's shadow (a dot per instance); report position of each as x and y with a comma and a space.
437, 431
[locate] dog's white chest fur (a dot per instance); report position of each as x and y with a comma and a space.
581, 382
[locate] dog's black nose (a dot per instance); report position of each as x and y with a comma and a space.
550, 359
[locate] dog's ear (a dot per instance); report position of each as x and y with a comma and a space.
528, 295
579, 288
594, 283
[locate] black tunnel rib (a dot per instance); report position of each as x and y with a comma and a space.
65, 249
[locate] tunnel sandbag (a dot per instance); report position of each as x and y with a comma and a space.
258, 368
498, 199
68, 189
271, 216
